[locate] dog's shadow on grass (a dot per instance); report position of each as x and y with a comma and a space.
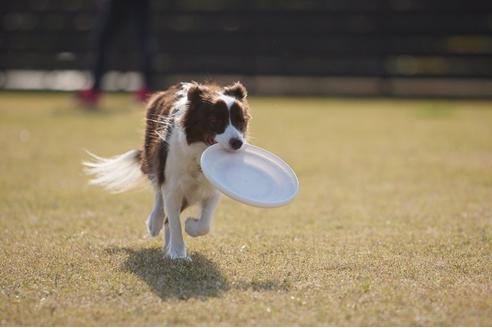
199, 278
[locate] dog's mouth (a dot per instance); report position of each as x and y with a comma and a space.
210, 140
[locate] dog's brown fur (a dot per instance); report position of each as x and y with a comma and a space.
154, 153
206, 116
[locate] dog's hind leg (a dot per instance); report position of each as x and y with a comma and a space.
199, 227
155, 219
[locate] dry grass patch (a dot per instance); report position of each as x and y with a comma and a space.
392, 225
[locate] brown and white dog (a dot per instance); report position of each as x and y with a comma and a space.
182, 122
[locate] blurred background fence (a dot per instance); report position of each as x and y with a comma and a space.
328, 47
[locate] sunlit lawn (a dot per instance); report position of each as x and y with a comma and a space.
392, 226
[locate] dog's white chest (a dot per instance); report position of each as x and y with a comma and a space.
194, 185
183, 168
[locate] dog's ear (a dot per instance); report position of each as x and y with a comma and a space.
196, 92
237, 90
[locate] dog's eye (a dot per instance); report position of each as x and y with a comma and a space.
240, 123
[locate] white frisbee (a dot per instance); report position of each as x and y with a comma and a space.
251, 175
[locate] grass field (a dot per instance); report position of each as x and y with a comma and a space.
392, 226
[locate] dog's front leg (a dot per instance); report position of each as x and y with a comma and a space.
199, 227
175, 246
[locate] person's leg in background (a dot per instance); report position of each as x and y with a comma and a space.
141, 20
110, 14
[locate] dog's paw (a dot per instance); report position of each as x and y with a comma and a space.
180, 259
154, 224
195, 228
176, 255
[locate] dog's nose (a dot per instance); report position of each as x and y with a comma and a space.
235, 143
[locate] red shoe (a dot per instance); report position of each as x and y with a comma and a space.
89, 97
142, 95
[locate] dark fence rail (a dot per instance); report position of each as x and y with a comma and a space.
387, 40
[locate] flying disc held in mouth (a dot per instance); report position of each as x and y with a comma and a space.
250, 175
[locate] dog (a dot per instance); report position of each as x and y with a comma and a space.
181, 122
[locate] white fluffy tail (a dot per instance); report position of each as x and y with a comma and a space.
116, 174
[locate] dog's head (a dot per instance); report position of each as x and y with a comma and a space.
217, 115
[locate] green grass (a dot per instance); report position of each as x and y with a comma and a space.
392, 226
